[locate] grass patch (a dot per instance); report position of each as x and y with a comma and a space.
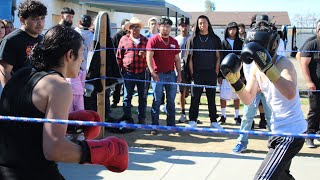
304, 101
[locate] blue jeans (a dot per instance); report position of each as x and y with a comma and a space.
171, 91
128, 89
249, 111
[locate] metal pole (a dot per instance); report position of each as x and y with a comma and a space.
168, 13
176, 23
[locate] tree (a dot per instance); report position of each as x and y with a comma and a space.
308, 20
209, 5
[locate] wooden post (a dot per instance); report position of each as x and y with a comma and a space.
103, 45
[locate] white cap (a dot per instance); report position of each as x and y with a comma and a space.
151, 19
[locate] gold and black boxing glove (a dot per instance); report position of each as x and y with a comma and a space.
255, 52
230, 69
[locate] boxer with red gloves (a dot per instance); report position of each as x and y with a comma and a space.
110, 152
90, 132
276, 78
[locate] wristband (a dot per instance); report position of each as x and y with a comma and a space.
238, 86
85, 152
273, 73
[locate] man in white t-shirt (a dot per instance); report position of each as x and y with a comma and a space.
276, 77
182, 39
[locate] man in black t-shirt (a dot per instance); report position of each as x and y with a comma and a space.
16, 47
204, 67
310, 66
298, 55
116, 39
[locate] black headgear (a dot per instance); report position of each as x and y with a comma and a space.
265, 36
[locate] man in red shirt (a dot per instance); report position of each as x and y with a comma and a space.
162, 64
132, 59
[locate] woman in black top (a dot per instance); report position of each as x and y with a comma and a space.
30, 150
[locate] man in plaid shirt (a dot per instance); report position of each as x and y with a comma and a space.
131, 56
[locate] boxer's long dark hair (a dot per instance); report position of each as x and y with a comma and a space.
57, 41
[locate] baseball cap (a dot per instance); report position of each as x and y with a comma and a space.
183, 20
165, 21
86, 20
232, 25
152, 19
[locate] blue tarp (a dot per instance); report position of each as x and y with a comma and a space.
6, 7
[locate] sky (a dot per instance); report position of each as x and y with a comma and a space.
304, 8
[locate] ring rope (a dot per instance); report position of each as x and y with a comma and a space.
155, 127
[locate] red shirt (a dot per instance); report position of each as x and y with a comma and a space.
128, 54
163, 60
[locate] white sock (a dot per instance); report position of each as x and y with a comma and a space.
236, 113
223, 112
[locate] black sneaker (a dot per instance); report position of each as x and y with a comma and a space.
252, 126
238, 120
222, 120
155, 133
263, 124
114, 105
309, 143
199, 122
127, 119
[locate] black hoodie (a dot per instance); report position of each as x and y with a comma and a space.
237, 45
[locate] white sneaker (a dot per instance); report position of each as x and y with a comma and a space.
216, 126
163, 108
192, 124
182, 118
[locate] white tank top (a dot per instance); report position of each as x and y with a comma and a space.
287, 116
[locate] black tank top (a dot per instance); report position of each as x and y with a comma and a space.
21, 152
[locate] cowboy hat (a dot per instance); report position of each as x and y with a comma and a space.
133, 21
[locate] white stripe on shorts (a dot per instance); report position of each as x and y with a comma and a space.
275, 158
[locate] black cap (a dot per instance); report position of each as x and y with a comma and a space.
232, 25
86, 20
67, 10
165, 21
184, 20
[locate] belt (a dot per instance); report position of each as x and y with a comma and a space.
168, 72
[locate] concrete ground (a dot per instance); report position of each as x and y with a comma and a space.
195, 156
153, 164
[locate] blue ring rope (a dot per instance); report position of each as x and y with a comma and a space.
202, 50
171, 83
155, 127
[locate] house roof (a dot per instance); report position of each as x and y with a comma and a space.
223, 18
152, 7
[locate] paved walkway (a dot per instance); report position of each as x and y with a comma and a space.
151, 164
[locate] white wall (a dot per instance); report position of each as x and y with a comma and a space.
54, 7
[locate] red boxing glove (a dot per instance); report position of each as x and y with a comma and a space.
110, 152
90, 132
